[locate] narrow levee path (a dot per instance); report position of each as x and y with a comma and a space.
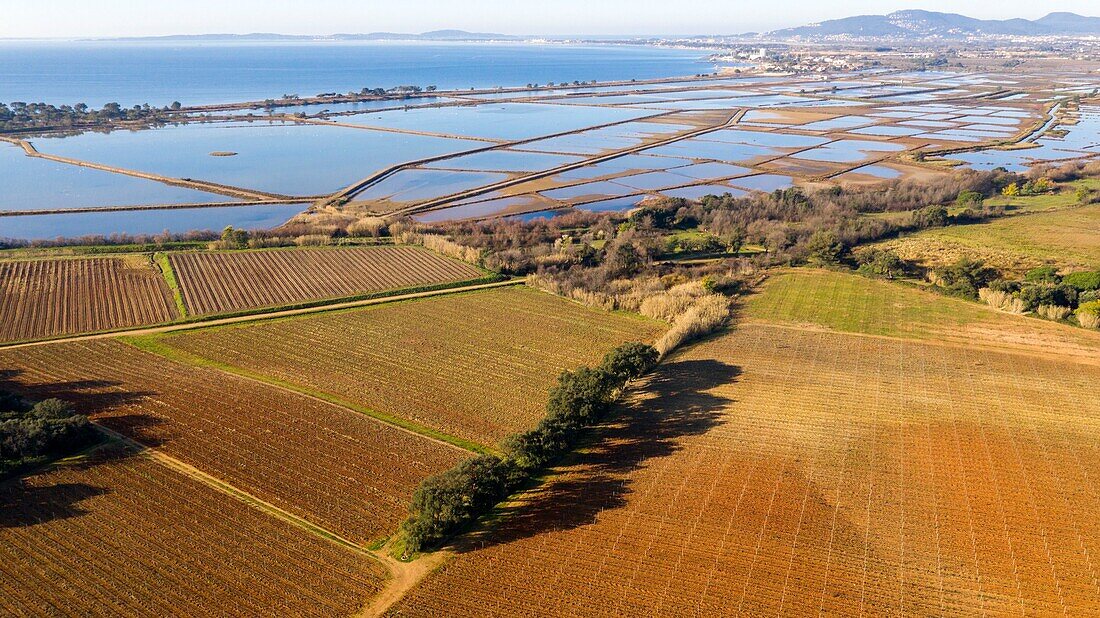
443, 201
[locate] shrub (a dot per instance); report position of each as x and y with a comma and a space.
930, 216
629, 361
1037, 294
1054, 312
1088, 314
439, 244
1042, 274
1002, 300
675, 301
1083, 281
882, 263
969, 198
449, 501
965, 277
50, 427
313, 240
703, 317
369, 226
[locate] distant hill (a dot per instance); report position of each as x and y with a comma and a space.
917, 24
437, 35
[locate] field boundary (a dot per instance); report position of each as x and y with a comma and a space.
212, 481
162, 260
271, 313
1033, 352
154, 344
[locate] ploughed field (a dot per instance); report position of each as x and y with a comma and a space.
122, 535
52, 297
336, 468
234, 281
789, 469
475, 365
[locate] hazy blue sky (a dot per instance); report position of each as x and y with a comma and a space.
72, 18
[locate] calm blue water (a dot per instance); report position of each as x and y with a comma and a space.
288, 159
46, 227
505, 121
31, 183
218, 72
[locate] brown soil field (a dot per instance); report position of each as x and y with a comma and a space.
46, 298
776, 471
476, 366
121, 535
232, 281
336, 468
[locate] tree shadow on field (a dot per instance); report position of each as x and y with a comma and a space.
100, 400
670, 405
23, 505
34, 498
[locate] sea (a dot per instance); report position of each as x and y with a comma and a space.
205, 72
208, 72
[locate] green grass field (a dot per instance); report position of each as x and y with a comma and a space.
851, 303
848, 302
1066, 238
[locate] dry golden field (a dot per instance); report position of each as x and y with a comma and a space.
804, 466
122, 535
334, 467
476, 366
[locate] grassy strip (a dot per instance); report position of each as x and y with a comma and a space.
24, 253
170, 278
154, 344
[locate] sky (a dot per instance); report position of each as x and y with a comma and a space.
106, 18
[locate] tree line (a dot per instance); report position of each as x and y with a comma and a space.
449, 502
20, 116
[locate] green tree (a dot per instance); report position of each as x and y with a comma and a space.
233, 238
965, 277
824, 247
968, 199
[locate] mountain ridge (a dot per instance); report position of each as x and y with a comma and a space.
916, 23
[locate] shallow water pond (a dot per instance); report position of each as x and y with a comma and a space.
502, 160
423, 184
618, 204
31, 183
282, 158
763, 182
476, 210
44, 227
504, 121
698, 191
847, 151
591, 189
